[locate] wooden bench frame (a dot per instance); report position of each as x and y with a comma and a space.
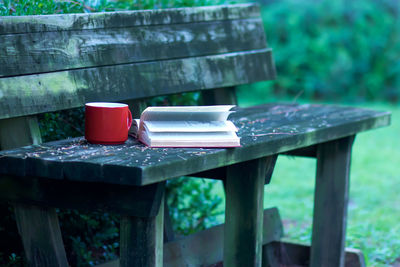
212, 49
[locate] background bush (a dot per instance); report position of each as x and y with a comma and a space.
334, 50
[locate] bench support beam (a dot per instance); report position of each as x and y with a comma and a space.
41, 236
142, 239
244, 212
330, 203
38, 226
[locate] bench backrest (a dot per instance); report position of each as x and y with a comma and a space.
56, 62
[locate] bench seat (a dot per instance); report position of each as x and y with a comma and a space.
264, 130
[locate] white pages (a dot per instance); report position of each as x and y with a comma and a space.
186, 126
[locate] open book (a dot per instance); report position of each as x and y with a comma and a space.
186, 126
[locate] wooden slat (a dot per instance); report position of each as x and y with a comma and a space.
244, 186
68, 89
206, 247
127, 200
264, 130
38, 226
142, 240
29, 53
330, 203
69, 22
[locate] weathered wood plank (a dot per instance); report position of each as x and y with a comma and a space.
41, 236
68, 89
142, 240
69, 22
330, 203
19, 132
38, 227
29, 53
206, 247
244, 188
264, 130
127, 200
294, 254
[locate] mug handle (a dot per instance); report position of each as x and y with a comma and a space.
129, 119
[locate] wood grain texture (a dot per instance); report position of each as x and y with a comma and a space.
264, 130
330, 203
141, 240
244, 189
70, 22
29, 53
38, 226
206, 247
48, 92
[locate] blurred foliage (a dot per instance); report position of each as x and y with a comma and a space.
333, 50
89, 238
192, 204
43, 7
62, 124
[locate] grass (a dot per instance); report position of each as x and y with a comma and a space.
374, 204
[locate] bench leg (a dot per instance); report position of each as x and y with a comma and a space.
142, 240
244, 212
330, 203
169, 234
41, 235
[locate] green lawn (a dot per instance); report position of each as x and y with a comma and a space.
374, 207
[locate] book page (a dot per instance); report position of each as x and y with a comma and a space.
203, 139
190, 126
187, 113
191, 136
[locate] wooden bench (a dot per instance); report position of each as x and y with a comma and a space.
57, 62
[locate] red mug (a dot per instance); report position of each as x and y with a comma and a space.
107, 123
